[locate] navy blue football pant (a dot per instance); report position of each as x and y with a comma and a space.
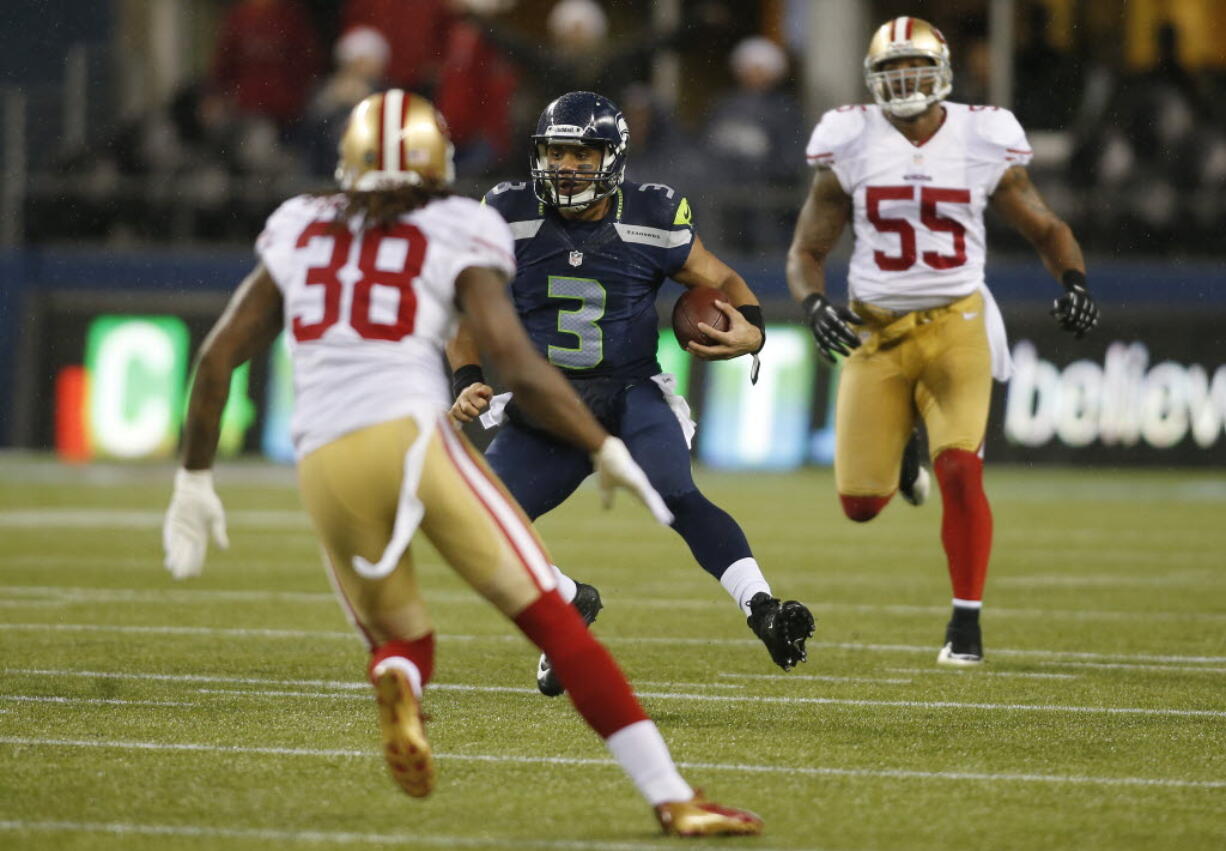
541, 472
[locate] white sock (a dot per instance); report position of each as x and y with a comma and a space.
410, 671
742, 580
566, 586
967, 604
640, 750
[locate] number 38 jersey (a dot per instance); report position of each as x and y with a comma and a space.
367, 313
918, 209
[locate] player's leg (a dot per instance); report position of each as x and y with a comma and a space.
483, 534
351, 488
654, 437
540, 474
874, 417
953, 396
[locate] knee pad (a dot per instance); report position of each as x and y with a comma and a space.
862, 509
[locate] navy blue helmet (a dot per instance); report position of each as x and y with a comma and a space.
579, 118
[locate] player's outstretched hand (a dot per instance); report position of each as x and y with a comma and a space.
472, 400
830, 326
615, 468
194, 514
741, 338
1075, 311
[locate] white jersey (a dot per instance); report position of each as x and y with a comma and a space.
367, 313
918, 209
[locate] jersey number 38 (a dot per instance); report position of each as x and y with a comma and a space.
326, 276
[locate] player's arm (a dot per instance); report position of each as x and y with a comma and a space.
540, 390
468, 386
249, 324
1018, 202
825, 213
746, 332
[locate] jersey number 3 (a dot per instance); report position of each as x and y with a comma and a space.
400, 280
930, 196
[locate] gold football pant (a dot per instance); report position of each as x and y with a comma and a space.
351, 488
934, 363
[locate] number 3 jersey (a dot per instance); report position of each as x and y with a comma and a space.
367, 313
586, 291
918, 209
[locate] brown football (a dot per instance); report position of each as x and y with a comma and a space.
697, 304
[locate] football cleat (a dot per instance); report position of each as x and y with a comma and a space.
963, 646
587, 602
914, 481
783, 628
700, 817
405, 747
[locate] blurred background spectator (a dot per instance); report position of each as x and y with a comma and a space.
189, 121
756, 133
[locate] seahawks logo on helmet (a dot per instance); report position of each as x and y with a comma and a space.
580, 118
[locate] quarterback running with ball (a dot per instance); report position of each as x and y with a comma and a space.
368, 284
923, 337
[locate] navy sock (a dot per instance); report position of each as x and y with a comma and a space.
713, 536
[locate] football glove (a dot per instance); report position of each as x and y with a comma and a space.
616, 469
1075, 311
830, 326
194, 514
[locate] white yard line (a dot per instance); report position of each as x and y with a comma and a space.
231, 632
773, 699
110, 701
412, 839
742, 768
980, 672
819, 678
120, 519
36, 595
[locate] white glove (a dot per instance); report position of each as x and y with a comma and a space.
195, 512
616, 469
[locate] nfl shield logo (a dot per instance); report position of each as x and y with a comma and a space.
576, 258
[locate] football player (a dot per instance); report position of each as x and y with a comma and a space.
592, 252
923, 336
366, 284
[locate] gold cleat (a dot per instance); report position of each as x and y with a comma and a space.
700, 817
404, 736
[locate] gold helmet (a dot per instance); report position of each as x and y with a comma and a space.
907, 92
395, 138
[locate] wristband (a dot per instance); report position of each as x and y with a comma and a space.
753, 313
810, 300
1073, 278
470, 373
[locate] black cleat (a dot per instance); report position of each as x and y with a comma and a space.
587, 603
914, 482
963, 646
783, 628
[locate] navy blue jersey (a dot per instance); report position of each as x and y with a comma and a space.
586, 291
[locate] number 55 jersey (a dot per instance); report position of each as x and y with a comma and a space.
918, 209
367, 312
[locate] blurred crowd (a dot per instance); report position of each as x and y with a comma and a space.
1139, 160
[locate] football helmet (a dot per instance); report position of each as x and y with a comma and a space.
395, 138
907, 92
579, 118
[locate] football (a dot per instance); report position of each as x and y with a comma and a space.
697, 304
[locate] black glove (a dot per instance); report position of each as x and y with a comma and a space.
1075, 310
830, 326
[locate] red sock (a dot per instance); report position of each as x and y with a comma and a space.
419, 651
863, 508
966, 527
593, 681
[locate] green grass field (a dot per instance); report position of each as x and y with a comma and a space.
229, 711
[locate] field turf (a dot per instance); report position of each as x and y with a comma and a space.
229, 711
